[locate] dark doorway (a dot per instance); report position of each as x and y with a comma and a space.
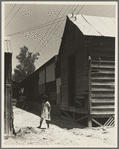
71, 80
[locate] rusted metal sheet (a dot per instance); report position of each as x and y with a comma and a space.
95, 26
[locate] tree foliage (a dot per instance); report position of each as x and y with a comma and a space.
26, 64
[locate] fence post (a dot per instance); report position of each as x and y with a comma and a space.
89, 103
8, 94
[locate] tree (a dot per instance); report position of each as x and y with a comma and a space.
26, 66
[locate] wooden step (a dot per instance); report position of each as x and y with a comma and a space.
103, 85
102, 66
103, 95
103, 72
103, 107
98, 69
103, 62
102, 81
103, 92
101, 113
102, 100
102, 89
102, 104
103, 78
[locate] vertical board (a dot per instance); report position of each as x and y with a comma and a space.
8, 94
42, 77
58, 90
50, 73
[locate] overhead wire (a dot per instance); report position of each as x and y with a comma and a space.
69, 12
54, 30
80, 10
75, 8
48, 29
10, 11
39, 26
61, 23
36, 27
14, 15
52, 34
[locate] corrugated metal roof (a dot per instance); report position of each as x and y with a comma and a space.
94, 25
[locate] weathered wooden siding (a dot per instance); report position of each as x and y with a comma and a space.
74, 43
50, 73
58, 90
103, 76
82, 74
42, 77
50, 90
35, 86
41, 80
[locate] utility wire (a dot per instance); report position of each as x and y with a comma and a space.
10, 11
48, 30
59, 25
14, 15
80, 10
52, 34
75, 9
56, 29
36, 27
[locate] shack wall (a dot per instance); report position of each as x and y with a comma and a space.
102, 76
74, 43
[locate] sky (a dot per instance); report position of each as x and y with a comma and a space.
40, 26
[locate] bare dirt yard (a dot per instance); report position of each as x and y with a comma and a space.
62, 133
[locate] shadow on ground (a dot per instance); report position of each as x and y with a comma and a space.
58, 121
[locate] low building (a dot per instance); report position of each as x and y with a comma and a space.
45, 80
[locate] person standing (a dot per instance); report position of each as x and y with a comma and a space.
45, 111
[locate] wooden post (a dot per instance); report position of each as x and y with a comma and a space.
8, 91
45, 81
89, 104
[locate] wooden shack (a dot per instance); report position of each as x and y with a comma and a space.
45, 80
87, 59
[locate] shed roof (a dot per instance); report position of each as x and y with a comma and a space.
94, 25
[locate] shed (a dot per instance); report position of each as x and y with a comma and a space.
45, 80
87, 59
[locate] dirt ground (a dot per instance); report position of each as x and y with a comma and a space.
62, 133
